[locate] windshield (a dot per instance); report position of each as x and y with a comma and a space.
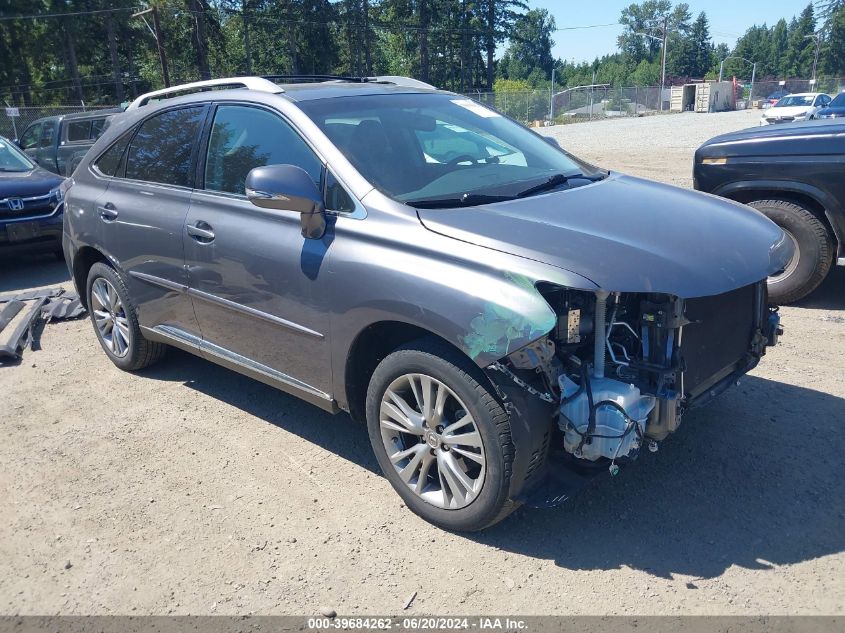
838, 101
795, 100
12, 159
427, 147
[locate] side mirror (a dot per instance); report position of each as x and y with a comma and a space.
288, 188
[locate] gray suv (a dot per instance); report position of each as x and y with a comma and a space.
507, 319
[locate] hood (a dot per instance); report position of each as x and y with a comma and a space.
629, 235
789, 111
23, 184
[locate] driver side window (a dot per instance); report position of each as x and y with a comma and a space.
244, 137
30, 138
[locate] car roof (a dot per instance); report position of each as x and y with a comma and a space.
315, 87
332, 90
805, 94
91, 114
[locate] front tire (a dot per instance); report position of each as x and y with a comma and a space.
814, 250
441, 436
116, 322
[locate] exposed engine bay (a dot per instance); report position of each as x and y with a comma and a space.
621, 369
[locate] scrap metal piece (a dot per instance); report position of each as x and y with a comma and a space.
66, 306
32, 294
9, 312
12, 343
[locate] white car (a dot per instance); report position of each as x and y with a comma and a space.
798, 107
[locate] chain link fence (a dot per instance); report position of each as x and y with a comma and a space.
535, 107
829, 85
13, 126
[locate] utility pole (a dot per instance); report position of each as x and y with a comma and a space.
663, 72
158, 34
818, 40
162, 56
552, 99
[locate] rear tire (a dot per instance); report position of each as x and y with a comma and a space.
425, 367
814, 250
115, 321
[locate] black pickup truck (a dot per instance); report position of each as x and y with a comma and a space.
795, 175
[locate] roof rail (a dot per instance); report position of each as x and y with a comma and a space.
407, 82
315, 78
250, 83
386, 79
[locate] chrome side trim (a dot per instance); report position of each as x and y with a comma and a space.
840, 261
225, 303
237, 307
193, 343
269, 372
158, 281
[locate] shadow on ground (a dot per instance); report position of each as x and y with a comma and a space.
31, 271
830, 295
752, 480
338, 434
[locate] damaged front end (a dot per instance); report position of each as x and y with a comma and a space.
618, 372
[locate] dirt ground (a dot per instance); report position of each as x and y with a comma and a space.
189, 489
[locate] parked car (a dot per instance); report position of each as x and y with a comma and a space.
776, 96
795, 175
30, 204
835, 109
797, 107
58, 143
363, 245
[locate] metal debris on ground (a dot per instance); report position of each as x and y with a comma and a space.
22, 315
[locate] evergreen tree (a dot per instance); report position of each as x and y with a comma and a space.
833, 59
801, 48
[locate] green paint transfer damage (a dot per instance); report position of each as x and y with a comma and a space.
498, 327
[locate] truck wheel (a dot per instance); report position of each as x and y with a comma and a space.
116, 323
813, 250
441, 436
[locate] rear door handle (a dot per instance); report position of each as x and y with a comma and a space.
107, 212
201, 232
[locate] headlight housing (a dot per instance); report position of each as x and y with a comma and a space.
59, 193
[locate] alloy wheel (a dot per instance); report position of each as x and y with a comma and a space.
110, 317
432, 441
793, 263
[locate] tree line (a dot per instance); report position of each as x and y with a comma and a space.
107, 51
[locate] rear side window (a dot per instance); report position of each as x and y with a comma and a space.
84, 131
243, 138
97, 128
109, 161
162, 150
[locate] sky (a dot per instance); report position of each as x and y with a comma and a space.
729, 19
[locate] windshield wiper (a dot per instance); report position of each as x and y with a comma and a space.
466, 200
556, 181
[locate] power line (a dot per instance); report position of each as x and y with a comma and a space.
41, 16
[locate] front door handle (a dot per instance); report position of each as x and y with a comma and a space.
201, 232
107, 212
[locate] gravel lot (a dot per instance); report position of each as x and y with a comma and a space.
189, 489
